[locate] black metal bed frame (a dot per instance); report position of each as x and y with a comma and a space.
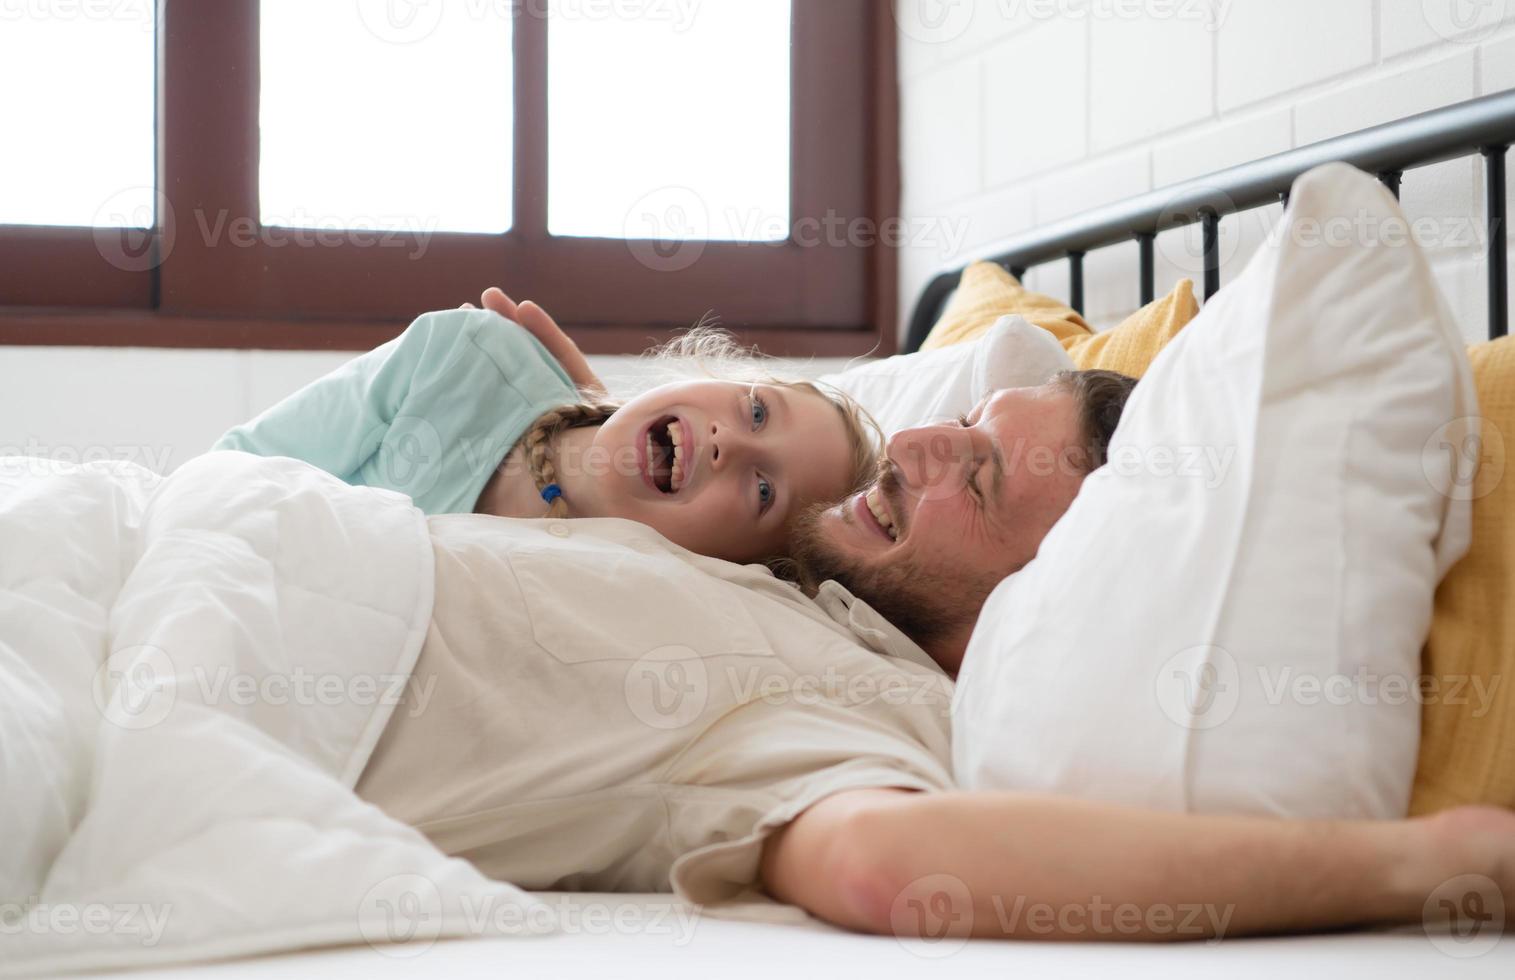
1485, 125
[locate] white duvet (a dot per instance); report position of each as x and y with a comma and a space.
193, 672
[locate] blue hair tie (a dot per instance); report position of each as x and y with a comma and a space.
551, 492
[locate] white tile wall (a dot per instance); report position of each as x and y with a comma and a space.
1087, 101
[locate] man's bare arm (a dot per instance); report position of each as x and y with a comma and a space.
1013, 866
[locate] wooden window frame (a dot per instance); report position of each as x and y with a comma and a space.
177, 286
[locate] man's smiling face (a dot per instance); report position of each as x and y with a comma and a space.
957, 507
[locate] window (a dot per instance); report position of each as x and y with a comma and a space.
360, 132
706, 107
323, 173
77, 174
84, 129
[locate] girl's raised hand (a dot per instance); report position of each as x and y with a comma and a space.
543, 327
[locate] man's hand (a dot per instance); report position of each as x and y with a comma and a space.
933, 865
543, 327
1477, 840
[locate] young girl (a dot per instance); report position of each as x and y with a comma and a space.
468, 412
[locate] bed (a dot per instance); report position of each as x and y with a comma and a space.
653, 935
656, 943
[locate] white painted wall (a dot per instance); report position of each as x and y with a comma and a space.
161, 407
1020, 112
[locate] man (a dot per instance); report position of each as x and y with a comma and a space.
956, 508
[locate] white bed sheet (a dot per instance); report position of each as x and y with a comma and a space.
661, 938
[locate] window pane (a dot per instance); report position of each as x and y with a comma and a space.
76, 114
669, 120
378, 114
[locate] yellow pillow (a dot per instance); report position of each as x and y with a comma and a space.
1131, 347
1467, 739
987, 292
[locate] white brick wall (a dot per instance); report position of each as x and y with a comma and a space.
1037, 82
1127, 99
1081, 102
1268, 47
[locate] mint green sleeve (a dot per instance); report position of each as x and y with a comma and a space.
338, 421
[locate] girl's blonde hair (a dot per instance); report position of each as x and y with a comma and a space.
709, 351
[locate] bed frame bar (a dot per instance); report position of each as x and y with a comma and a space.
1484, 125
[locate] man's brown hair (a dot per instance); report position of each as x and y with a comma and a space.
1101, 397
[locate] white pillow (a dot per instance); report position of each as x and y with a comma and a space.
912, 389
1241, 631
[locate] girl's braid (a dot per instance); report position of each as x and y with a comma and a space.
540, 437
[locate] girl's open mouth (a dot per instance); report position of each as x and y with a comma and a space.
666, 457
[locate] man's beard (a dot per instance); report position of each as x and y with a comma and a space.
927, 604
